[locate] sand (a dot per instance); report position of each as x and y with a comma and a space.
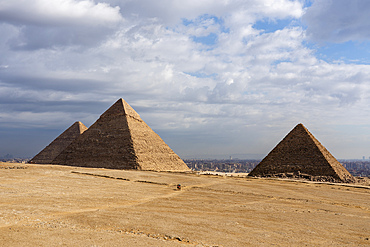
45, 205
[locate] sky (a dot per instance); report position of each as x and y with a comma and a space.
213, 78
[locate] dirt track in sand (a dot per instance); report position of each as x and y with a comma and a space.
42, 205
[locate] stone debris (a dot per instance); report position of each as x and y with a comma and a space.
301, 155
13, 167
50, 152
120, 139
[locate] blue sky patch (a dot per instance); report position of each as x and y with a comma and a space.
201, 21
202, 18
199, 74
276, 62
348, 52
211, 39
270, 26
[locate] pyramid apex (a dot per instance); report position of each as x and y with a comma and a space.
121, 107
300, 125
51, 151
121, 100
80, 126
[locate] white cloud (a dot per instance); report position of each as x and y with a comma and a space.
171, 12
242, 90
338, 20
60, 23
58, 13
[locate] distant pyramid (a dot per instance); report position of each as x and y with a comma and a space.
120, 139
301, 152
49, 153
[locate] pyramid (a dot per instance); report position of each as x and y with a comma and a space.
120, 139
50, 152
301, 153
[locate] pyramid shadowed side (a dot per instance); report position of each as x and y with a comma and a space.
50, 152
301, 152
106, 144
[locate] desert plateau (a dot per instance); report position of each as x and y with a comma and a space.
50, 205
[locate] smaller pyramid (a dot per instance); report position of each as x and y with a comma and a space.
120, 139
301, 153
50, 152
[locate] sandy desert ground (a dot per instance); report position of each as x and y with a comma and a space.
44, 205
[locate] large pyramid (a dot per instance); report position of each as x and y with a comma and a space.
301, 153
50, 152
120, 139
